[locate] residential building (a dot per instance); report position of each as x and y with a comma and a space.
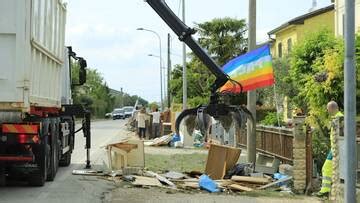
340, 16
286, 35
283, 38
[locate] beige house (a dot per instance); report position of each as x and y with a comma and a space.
340, 16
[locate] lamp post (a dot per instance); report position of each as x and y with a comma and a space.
164, 74
184, 63
160, 60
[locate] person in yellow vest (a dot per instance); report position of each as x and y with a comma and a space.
333, 110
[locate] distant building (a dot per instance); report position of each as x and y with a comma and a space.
340, 16
286, 35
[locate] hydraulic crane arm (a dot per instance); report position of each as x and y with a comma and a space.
184, 33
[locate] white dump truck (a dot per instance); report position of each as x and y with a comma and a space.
37, 126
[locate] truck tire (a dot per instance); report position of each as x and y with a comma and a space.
2, 176
66, 159
54, 150
38, 178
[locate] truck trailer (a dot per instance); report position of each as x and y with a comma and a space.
37, 114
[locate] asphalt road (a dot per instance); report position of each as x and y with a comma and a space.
67, 187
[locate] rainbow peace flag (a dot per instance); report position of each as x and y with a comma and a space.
252, 70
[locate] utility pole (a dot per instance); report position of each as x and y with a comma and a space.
251, 95
350, 103
184, 63
168, 73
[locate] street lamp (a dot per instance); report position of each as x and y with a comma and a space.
161, 88
164, 74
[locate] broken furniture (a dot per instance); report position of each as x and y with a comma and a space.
266, 164
127, 153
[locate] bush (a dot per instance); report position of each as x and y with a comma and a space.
273, 119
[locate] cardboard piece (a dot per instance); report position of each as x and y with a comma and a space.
220, 160
256, 180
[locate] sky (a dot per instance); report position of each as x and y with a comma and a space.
104, 32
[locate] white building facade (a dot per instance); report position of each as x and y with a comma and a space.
340, 16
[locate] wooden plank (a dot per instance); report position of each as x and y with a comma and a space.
162, 179
146, 181
250, 179
239, 188
275, 183
124, 146
193, 185
88, 172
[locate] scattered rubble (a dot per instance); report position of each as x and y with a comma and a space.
222, 173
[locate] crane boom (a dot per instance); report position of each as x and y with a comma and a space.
184, 33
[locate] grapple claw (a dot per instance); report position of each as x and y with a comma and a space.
203, 120
226, 122
189, 121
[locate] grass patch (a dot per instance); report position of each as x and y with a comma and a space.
176, 162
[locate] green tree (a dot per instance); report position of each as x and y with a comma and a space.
305, 61
317, 76
282, 86
224, 39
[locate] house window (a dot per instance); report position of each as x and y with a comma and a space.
289, 45
280, 50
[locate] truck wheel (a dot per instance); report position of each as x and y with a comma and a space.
2, 176
54, 156
66, 160
38, 178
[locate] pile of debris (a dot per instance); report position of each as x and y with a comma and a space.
222, 172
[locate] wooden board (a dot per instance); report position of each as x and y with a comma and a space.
146, 181
249, 179
161, 179
194, 185
136, 157
124, 146
220, 160
88, 172
276, 182
239, 188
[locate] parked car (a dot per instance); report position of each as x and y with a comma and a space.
108, 115
128, 111
118, 114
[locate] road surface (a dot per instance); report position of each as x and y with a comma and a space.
67, 187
